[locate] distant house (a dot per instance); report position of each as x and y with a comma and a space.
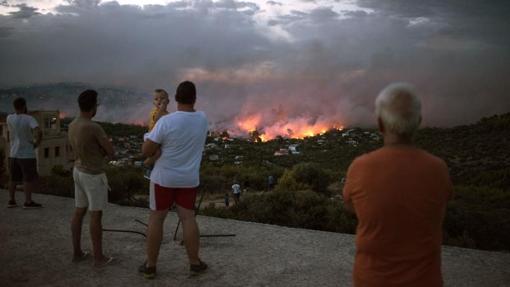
352, 142
281, 152
54, 149
293, 149
211, 146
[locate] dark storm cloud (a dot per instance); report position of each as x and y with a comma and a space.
330, 64
483, 20
24, 12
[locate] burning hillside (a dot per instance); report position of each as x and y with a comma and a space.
295, 127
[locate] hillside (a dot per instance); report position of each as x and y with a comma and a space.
478, 153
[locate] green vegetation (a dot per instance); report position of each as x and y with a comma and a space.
304, 209
305, 176
479, 217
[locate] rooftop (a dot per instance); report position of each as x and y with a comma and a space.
36, 251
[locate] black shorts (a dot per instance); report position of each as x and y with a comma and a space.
23, 169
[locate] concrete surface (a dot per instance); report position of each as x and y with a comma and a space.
35, 250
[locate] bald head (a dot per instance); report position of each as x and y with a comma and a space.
399, 109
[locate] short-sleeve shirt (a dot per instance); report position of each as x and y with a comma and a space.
85, 137
182, 138
21, 137
236, 188
399, 194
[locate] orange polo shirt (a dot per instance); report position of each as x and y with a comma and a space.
399, 194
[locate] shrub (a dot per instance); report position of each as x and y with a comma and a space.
58, 185
303, 176
220, 178
213, 183
288, 182
304, 209
478, 218
125, 183
60, 171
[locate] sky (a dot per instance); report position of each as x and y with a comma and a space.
318, 60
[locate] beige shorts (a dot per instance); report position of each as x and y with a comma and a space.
90, 190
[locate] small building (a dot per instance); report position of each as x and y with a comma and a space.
211, 146
54, 149
214, 157
281, 152
293, 149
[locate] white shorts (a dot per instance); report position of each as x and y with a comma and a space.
90, 190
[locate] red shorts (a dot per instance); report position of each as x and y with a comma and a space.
162, 198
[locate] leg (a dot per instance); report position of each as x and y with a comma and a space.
191, 233
30, 177
95, 192
76, 224
15, 176
12, 191
155, 235
30, 187
96, 234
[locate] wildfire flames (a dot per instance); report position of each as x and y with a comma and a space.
300, 127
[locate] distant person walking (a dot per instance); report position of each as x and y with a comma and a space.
90, 146
24, 137
227, 200
181, 137
399, 194
270, 183
236, 191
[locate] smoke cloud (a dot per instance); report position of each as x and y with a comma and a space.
307, 62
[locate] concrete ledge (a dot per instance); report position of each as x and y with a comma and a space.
35, 250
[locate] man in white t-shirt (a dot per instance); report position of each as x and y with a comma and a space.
236, 190
24, 137
181, 137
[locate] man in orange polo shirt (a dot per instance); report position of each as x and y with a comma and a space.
399, 194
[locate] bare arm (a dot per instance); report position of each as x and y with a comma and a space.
104, 142
149, 148
349, 187
37, 136
348, 206
107, 146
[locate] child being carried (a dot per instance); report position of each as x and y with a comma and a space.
160, 102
